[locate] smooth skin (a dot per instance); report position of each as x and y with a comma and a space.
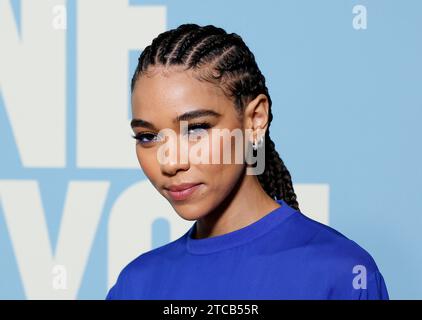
228, 199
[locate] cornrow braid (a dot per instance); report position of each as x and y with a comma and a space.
223, 59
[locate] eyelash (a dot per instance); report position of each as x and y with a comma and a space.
140, 136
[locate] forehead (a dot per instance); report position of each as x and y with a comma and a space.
163, 96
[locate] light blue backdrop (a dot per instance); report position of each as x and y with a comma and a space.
347, 108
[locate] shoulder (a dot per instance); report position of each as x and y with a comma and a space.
150, 258
348, 269
332, 247
140, 269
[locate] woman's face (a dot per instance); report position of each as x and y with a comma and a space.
158, 99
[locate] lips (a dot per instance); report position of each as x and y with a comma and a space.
182, 191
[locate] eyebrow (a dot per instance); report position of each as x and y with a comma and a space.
183, 117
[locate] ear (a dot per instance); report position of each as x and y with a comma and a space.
256, 116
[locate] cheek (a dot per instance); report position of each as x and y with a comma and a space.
227, 150
148, 162
225, 172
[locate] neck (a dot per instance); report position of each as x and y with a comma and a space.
246, 205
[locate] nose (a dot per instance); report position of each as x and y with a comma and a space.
174, 156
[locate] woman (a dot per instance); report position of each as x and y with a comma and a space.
250, 240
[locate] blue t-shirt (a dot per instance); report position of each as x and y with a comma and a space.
283, 255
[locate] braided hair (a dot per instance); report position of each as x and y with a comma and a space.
223, 59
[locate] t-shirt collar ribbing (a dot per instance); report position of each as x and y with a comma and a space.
240, 236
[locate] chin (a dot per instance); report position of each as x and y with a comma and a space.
189, 211
189, 215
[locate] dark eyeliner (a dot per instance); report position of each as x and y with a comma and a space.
203, 125
140, 135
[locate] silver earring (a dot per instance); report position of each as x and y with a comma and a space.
258, 144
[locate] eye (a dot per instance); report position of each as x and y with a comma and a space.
198, 128
145, 138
